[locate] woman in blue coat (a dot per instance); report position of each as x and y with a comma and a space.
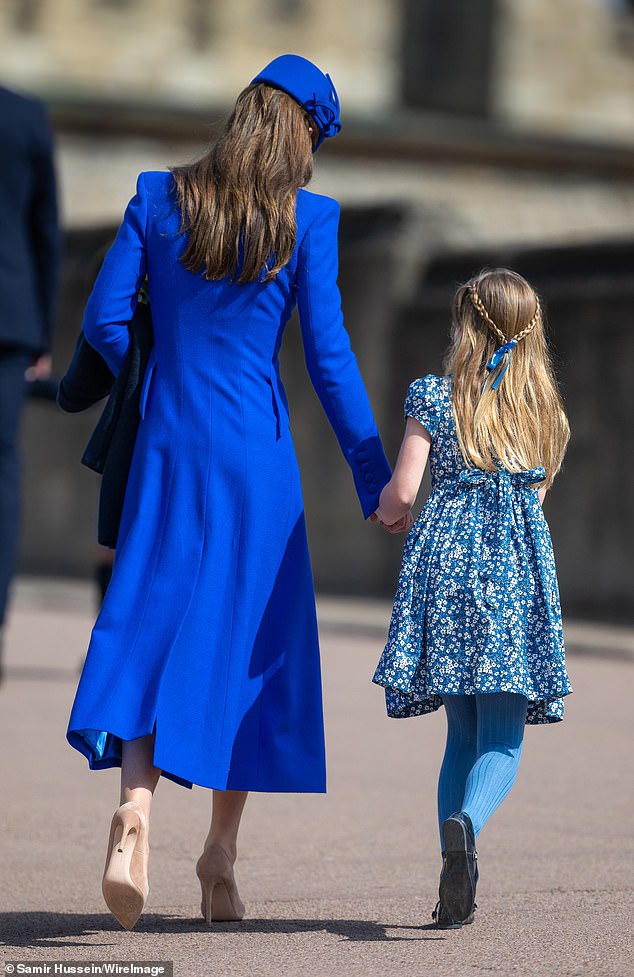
203, 664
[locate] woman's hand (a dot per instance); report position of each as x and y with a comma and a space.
402, 525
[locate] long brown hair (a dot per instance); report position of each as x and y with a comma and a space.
237, 203
521, 424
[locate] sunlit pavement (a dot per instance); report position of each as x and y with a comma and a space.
342, 884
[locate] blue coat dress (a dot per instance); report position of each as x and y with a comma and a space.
208, 632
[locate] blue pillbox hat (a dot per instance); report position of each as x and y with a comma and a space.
303, 81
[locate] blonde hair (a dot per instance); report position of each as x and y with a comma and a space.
521, 424
238, 202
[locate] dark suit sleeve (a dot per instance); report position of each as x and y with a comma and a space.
330, 361
45, 235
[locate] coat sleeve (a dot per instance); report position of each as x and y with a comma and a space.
87, 380
113, 300
331, 364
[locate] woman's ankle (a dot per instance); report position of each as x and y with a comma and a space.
228, 845
141, 799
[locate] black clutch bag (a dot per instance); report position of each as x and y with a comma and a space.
109, 450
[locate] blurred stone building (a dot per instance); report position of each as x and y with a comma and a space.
474, 133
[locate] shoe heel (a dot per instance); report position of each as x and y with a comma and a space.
220, 900
219, 904
454, 836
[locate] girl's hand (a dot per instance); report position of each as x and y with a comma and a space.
399, 495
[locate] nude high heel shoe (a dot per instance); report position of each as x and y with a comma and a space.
125, 883
220, 899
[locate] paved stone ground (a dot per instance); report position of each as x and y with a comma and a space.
340, 885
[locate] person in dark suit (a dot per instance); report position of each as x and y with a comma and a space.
29, 264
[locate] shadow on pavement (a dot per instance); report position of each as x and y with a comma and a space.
55, 930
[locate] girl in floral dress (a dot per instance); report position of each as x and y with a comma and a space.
476, 625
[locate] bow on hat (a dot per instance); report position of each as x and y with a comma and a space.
325, 114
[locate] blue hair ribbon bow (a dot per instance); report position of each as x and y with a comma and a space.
503, 354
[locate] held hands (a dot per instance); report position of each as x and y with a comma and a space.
402, 525
394, 511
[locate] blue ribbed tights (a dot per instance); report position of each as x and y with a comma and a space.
484, 744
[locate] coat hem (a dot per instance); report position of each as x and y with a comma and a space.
102, 749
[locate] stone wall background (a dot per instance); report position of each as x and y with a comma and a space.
196, 51
566, 68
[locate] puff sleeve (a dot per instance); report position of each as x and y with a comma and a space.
421, 403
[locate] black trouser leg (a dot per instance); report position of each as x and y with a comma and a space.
13, 363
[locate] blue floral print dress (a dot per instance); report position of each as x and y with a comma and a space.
477, 606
